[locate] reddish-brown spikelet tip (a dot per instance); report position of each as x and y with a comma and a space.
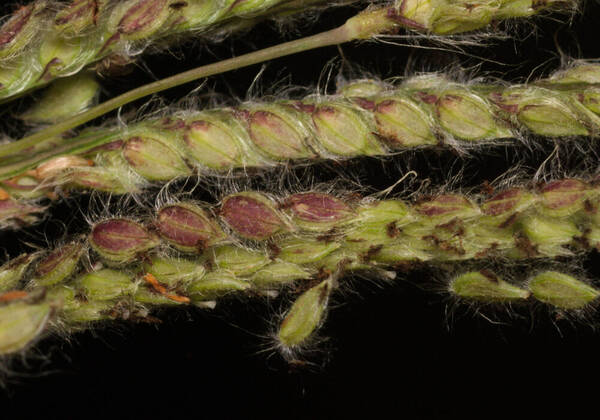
184, 226
502, 202
250, 217
562, 193
52, 260
444, 205
141, 15
75, 10
11, 29
120, 235
317, 207
13, 209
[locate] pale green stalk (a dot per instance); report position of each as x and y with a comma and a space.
364, 25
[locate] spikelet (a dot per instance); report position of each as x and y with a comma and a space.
366, 118
260, 244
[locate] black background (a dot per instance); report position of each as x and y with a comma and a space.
400, 350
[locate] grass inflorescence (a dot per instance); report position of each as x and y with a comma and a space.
45, 40
365, 118
306, 243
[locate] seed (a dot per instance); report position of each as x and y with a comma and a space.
447, 206
78, 16
305, 251
508, 202
120, 240
213, 143
305, 315
563, 198
486, 286
467, 117
58, 265
343, 132
316, 211
551, 118
278, 132
279, 273
138, 19
403, 124
561, 290
252, 215
187, 227
106, 284
18, 31
239, 261
63, 99
216, 284
12, 272
20, 324
154, 159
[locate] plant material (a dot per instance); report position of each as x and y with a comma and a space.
446, 17
557, 289
120, 240
21, 323
421, 112
40, 42
18, 213
366, 25
12, 272
552, 219
74, 298
486, 286
562, 291
257, 244
305, 315
64, 99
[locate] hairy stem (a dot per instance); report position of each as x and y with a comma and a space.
40, 42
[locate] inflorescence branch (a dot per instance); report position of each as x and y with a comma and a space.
365, 118
254, 243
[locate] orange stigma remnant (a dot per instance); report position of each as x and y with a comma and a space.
13, 295
159, 288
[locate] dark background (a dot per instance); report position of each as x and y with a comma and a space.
400, 350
